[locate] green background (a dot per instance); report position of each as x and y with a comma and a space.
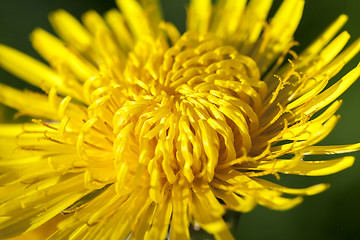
334, 214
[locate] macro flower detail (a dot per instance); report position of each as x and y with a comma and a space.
140, 131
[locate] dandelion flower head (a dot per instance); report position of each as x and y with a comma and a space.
140, 131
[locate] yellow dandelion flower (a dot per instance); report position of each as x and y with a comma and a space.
141, 131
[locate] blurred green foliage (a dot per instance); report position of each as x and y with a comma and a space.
331, 215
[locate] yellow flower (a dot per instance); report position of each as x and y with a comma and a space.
141, 131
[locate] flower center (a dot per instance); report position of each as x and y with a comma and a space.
183, 111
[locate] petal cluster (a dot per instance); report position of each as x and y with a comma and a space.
140, 131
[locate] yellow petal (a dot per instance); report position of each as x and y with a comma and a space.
286, 19
332, 92
331, 50
136, 18
111, 55
313, 137
32, 71
144, 223
180, 220
279, 34
56, 53
312, 50
343, 58
207, 212
248, 187
276, 202
160, 224
71, 30
307, 168
117, 24
9, 142
312, 90
252, 24
42, 232
198, 16
211, 147
28, 213
32, 104
233, 201
337, 149
171, 31
305, 131
227, 17
302, 191
94, 22
153, 11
